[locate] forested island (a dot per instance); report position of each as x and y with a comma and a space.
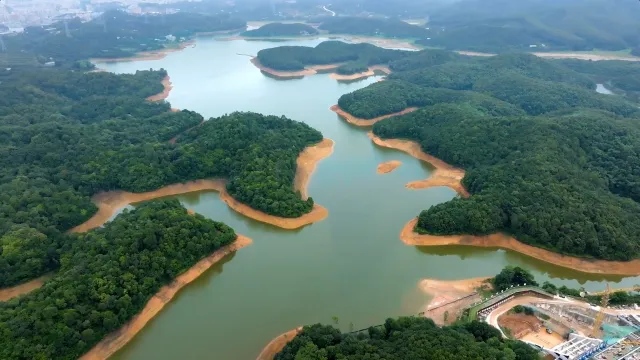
548, 160
115, 34
406, 338
281, 30
105, 278
356, 57
87, 133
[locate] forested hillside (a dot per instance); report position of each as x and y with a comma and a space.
372, 26
280, 29
386, 97
503, 25
620, 76
67, 135
356, 56
106, 277
502, 83
406, 338
548, 160
114, 34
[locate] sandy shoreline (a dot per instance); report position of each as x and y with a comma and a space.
24, 288
117, 339
361, 75
367, 122
309, 70
443, 175
463, 287
502, 241
561, 55
277, 344
317, 69
307, 162
146, 55
385, 43
389, 166
110, 202
450, 297
166, 82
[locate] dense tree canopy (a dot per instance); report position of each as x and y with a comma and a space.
548, 160
280, 29
424, 58
512, 276
391, 96
464, 72
105, 278
292, 58
114, 34
406, 338
621, 76
67, 135
372, 26
522, 82
566, 182
539, 25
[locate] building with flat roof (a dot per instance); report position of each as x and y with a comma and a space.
578, 347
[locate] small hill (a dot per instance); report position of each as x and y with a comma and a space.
373, 26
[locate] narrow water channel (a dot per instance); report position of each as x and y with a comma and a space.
351, 265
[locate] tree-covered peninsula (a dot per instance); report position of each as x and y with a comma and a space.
357, 57
548, 160
106, 277
115, 34
67, 136
281, 30
406, 338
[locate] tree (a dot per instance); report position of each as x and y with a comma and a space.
513, 276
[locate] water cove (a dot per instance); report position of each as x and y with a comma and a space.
351, 265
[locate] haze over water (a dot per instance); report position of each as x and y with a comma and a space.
351, 265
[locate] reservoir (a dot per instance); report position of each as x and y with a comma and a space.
603, 90
351, 266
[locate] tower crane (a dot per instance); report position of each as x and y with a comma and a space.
595, 333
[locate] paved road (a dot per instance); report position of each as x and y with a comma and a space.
333, 13
492, 317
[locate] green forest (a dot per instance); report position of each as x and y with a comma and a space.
114, 34
517, 276
106, 277
622, 77
359, 56
406, 338
391, 27
475, 25
535, 25
68, 135
280, 29
565, 182
548, 160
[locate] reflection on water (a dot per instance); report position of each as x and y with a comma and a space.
603, 90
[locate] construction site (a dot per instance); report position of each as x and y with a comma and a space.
562, 327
